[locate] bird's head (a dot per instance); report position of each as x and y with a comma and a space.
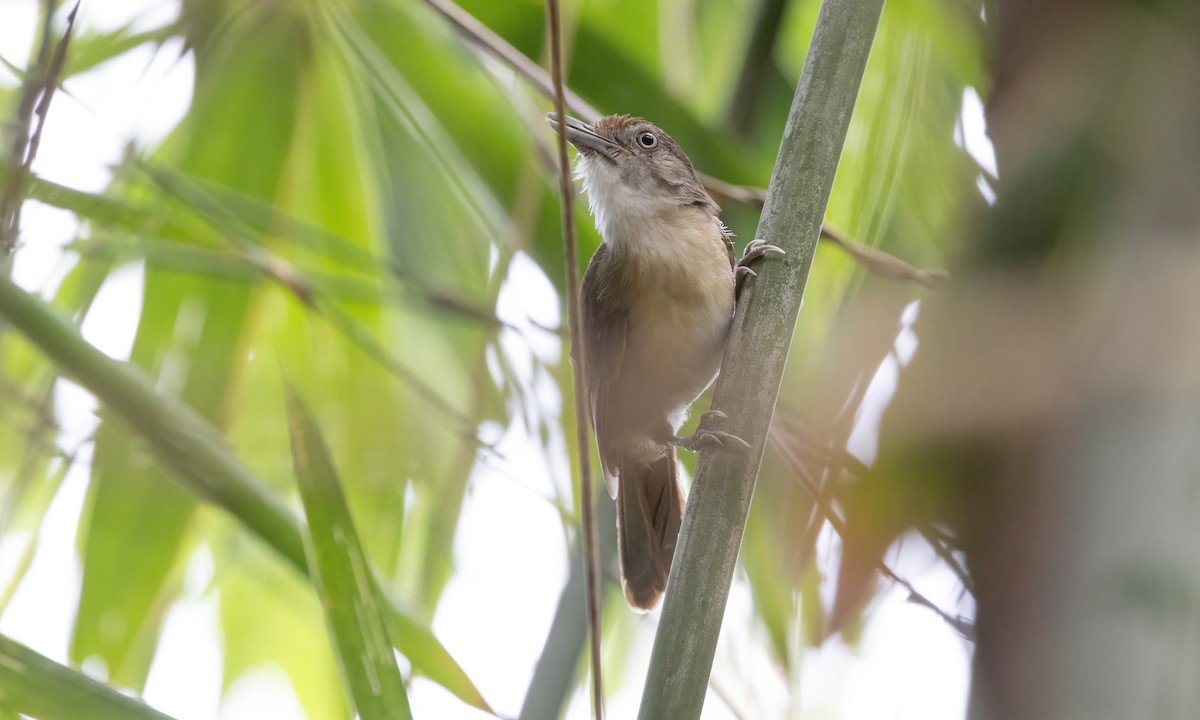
630, 166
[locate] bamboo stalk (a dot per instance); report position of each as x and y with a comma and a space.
748, 387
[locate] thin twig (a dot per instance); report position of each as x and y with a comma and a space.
480, 36
49, 85
883, 264
19, 158
591, 542
790, 454
941, 548
790, 428
963, 626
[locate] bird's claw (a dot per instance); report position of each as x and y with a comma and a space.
708, 437
703, 438
755, 249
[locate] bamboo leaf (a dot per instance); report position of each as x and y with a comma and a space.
752, 370
198, 455
91, 49
135, 530
341, 575
35, 686
189, 218
138, 520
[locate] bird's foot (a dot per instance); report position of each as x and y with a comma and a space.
709, 437
757, 248
754, 250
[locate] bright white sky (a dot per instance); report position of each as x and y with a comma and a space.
909, 664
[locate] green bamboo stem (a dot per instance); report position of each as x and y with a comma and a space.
754, 362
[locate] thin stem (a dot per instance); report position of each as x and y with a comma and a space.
823, 504
49, 85
12, 198
481, 36
882, 264
567, 190
796, 445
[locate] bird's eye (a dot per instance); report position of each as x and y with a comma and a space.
647, 140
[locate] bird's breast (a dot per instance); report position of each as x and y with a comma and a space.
680, 300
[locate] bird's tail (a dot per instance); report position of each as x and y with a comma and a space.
649, 511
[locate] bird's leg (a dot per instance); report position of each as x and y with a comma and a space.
709, 437
754, 250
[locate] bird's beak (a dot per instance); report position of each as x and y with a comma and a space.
581, 135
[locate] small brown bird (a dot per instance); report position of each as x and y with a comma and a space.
657, 302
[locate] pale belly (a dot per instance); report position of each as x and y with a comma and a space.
672, 354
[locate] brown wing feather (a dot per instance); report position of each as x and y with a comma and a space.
604, 325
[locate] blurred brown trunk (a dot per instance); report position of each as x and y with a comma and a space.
1082, 515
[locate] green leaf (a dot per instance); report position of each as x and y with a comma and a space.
198, 455
38, 687
136, 525
286, 629
91, 49
158, 218
138, 520
342, 577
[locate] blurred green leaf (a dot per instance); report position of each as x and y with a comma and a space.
341, 575
22, 509
287, 629
90, 49
137, 518
199, 456
117, 212
187, 339
38, 687
446, 230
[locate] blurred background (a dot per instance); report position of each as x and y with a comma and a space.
358, 196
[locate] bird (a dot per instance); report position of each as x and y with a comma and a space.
657, 303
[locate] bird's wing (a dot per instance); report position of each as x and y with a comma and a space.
605, 319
